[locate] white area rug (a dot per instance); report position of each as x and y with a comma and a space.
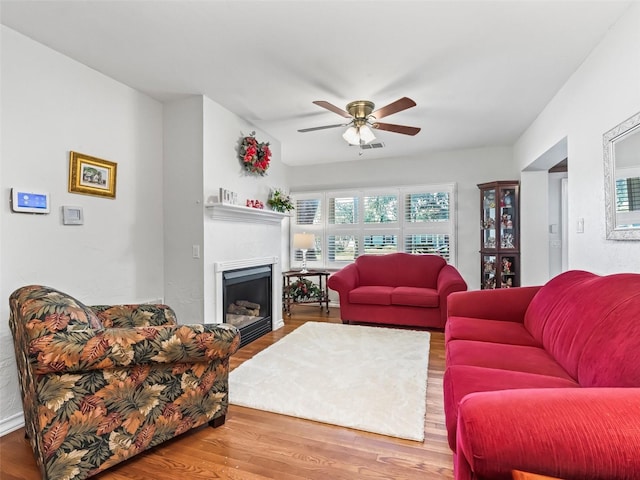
367, 378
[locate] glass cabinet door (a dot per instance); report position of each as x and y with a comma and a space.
508, 271
488, 271
499, 271
508, 219
488, 219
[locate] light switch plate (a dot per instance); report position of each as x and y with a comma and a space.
72, 215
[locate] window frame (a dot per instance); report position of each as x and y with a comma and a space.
401, 228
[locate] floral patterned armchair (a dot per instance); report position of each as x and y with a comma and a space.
102, 384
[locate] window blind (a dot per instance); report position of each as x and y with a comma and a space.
375, 221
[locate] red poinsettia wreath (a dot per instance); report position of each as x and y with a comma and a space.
255, 156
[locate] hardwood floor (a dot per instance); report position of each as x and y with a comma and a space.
255, 445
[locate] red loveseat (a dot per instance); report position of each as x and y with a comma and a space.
545, 379
396, 289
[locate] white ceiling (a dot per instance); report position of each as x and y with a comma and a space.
480, 71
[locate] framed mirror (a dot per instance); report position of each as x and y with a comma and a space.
622, 180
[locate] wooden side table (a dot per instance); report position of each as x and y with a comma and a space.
287, 300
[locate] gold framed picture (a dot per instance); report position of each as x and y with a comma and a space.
92, 176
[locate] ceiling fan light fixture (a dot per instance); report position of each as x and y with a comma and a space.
358, 135
363, 118
351, 135
366, 134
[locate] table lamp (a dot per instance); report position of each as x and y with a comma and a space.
304, 242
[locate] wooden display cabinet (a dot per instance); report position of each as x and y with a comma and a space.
500, 234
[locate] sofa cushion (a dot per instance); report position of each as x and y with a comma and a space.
483, 330
581, 313
544, 304
400, 269
611, 356
461, 380
520, 358
575, 433
372, 295
415, 297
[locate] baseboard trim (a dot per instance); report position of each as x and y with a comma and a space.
278, 323
11, 424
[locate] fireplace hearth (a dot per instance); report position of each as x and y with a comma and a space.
246, 296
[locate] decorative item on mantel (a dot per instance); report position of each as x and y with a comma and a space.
280, 201
255, 204
255, 156
228, 197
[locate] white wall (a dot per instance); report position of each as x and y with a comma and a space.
534, 228
603, 92
201, 156
183, 127
467, 168
51, 105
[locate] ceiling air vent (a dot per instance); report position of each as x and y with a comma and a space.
368, 146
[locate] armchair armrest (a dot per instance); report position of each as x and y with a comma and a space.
134, 315
95, 349
344, 280
507, 304
560, 432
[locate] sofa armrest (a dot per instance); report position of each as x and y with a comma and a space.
560, 432
449, 281
96, 349
344, 280
507, 304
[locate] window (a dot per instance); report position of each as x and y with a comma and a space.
381, 209
308, 219
349, 223
343, 210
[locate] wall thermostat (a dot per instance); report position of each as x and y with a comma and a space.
72, 215
24, 200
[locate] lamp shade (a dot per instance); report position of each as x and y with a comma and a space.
358, 135
366, 134
351, 136
304, 241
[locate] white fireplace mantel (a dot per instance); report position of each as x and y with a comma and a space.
238, 213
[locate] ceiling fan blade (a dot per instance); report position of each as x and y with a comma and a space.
395, 107
312, 129
390, 127
333, 108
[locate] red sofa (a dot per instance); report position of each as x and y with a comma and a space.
396, 289
545, 379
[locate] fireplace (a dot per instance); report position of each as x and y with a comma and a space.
247, 301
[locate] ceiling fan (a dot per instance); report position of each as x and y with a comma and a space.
363, 118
